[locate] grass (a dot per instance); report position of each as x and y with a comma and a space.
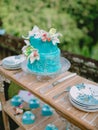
13, 89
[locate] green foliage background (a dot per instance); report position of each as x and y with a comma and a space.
77, 20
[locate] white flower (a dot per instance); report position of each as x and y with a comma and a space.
35, 32
24, 49
27, 42
55, 40
34, 56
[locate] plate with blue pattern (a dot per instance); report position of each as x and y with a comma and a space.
85, 108
84, 95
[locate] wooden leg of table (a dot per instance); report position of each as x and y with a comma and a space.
2, 99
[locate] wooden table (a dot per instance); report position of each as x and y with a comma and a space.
83, 120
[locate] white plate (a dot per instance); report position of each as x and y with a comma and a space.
86, 109
13, 60
86, 94
11, 68
83, 105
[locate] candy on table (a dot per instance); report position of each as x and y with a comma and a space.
16, 100
28, 118
46, 110
34, 103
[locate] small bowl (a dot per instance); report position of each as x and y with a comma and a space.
16, 100
28, 118
46, 110
34, 103
51, 127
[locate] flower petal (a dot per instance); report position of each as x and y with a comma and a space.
27, 42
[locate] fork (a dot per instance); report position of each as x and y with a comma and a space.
59, 94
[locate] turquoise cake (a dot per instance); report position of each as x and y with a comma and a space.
42, 51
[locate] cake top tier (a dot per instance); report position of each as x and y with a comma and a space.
39, 42
44, 35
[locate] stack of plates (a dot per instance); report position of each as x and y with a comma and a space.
13, 62
84, 97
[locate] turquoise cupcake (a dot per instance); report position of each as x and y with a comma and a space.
16, 101
34, 103
51, 127
46, 110
28, 118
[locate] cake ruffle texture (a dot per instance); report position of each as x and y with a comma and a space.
47, 64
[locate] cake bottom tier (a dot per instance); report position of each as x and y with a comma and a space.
48, 63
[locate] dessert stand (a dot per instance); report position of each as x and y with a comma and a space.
65, 65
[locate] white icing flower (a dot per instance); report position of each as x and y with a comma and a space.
34, 56
27, 42
55, 40
24, 49
35, 32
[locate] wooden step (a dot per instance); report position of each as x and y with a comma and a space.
18, 128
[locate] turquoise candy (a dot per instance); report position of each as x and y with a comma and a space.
46, 110
16, 100
51, 127
28, 118
34, 103
49, 62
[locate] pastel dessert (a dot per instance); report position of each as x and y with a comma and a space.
46, 110
43, 54
51, 127
28, 118
34, 103
16, 100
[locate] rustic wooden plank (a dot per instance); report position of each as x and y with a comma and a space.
18, 128
5, 117
77, 117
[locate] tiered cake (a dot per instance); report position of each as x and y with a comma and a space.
42, 51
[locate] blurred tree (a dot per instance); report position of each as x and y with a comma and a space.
77, 20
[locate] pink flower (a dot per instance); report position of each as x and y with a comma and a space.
44, 37
48, 39
34, 56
